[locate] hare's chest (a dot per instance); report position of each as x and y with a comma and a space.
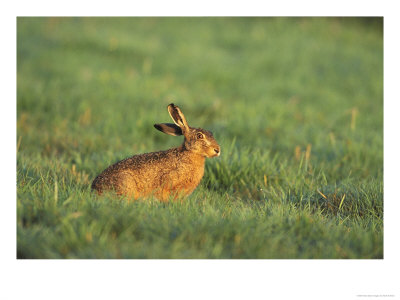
187, 177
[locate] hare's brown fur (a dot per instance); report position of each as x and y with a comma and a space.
163, 174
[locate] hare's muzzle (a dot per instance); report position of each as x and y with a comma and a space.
217, 151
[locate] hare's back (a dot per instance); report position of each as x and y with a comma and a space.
131, 172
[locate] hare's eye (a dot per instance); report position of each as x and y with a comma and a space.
199, 135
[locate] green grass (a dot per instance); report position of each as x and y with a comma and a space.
296, 104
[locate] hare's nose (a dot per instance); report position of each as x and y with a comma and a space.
216, 150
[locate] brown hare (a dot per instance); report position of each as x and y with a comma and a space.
164, 174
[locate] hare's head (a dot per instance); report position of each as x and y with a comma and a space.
197, 140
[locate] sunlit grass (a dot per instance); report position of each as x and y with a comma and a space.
296, 105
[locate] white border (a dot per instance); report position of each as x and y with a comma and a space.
197, 279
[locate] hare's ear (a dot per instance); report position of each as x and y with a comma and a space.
169, 128
178, 117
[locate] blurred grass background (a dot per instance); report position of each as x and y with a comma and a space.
296, 104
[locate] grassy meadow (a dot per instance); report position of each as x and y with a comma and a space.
295, 103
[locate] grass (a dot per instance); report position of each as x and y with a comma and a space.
296, 104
